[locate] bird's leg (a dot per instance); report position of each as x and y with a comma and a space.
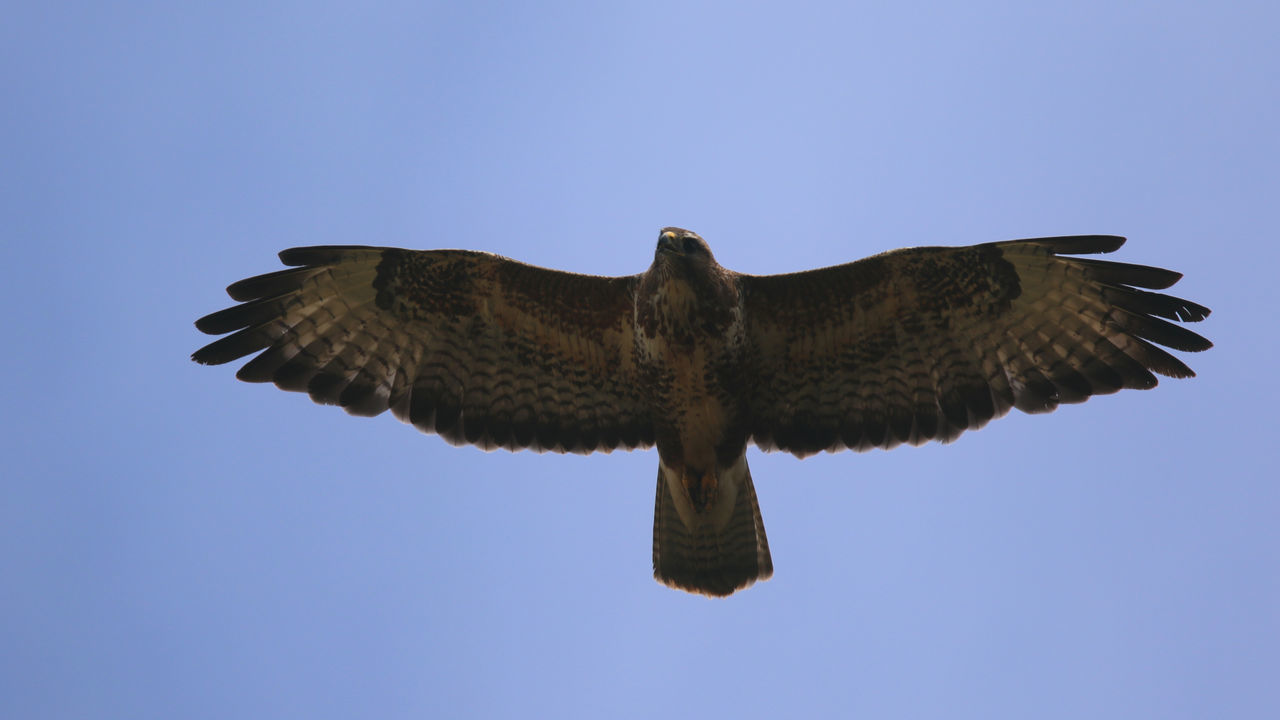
701, 486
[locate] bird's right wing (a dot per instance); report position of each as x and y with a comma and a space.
473, 346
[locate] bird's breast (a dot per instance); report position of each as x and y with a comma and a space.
690, 350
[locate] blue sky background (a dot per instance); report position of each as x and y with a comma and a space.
176, 544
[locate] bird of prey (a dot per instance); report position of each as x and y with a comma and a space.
907, 346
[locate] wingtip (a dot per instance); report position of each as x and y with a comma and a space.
206, 325
201, 358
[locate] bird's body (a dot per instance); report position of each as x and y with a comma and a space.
700, 361
689, 345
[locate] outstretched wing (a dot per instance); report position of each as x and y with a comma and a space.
925, 343
476, 347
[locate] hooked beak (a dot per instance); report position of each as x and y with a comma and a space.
668, 243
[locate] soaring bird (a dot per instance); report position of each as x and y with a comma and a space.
907, 346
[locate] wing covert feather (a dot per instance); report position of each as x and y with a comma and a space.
478, 348
924, 343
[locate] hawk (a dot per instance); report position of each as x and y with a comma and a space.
907, 346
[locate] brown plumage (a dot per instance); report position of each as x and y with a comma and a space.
907, 346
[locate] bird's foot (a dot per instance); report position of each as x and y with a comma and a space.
702, 488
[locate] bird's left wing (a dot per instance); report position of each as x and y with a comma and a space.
475, 347
924, 343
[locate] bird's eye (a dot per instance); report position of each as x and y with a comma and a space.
690, 245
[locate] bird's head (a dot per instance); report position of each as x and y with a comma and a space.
686, 285
681, 246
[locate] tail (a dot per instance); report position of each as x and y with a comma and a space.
713, 552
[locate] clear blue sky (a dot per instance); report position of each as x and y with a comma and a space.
176, 544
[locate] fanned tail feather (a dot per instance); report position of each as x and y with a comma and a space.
705, 559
